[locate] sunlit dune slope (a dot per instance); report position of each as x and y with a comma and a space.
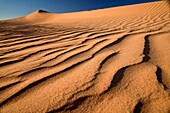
114, 60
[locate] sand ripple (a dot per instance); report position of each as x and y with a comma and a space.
114, 60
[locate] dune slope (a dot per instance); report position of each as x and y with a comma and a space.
114, 60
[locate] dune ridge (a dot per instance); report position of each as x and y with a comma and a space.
114, 60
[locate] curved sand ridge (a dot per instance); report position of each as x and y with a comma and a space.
114, 60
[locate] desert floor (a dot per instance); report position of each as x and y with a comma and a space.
114, 60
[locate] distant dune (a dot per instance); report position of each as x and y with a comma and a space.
114, 60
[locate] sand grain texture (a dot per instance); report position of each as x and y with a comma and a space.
114, 60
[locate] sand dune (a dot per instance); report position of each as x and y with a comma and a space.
114, 60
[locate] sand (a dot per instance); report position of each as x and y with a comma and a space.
114, 60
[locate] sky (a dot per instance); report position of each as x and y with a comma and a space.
17, 8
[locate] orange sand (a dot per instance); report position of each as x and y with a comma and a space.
114, 60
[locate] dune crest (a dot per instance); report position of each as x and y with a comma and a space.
114, 60
42, 11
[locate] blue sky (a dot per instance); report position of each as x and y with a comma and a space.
16, 8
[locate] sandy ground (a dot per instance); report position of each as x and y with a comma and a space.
114, 60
